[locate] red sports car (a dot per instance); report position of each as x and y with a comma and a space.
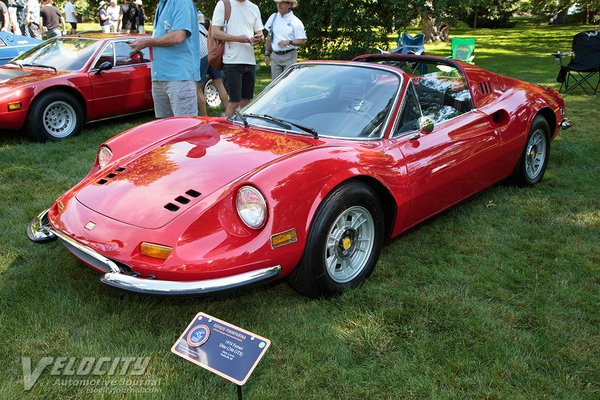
52, 89
307, 181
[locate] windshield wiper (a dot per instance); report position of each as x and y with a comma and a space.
284, 123
241, 118
17, 64
39, 66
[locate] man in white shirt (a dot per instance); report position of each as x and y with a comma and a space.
114, 12
71, 16
286, 33
241, 33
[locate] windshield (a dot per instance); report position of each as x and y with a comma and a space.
64, 54
332, 100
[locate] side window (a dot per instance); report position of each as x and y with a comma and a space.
409, 120
443, 93
107, 55
127, 56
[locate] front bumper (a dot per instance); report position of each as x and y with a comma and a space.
39, 230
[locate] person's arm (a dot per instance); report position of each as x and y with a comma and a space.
5, 20
293, 42
217, 33
268, 50
62, 21
169, 39
120, 20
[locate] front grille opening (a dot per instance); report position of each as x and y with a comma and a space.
192, 193
102, 181
182, 200
172, 207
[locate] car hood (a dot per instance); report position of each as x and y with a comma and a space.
152, 188
11, 78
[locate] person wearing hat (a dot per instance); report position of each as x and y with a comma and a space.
140, 16
103, 17
286, 34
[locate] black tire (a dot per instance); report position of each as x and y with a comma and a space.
346, 205
54, 115
532, 165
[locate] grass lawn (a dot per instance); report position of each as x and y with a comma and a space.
497, 298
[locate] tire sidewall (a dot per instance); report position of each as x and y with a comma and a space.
35, 124
539, 123
344, 197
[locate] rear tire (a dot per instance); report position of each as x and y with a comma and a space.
532, 165
343, 244
54, 116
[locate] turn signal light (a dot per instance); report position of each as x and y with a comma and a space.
155, 250
15, 106
281, 239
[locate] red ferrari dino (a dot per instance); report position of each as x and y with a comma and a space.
307, 181
52, 89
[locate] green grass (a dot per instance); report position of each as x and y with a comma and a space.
497, 298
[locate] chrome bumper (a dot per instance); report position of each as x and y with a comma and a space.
39, 230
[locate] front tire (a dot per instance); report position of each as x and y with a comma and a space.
534, 159
54, 116
343, 244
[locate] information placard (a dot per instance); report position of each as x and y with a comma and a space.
222, 348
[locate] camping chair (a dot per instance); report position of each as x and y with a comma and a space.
408, 44
463, 49
583, 65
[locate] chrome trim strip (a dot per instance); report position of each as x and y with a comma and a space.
87, 250
115, 278
37, 228
186, 288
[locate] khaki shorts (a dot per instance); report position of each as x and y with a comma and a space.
174, 98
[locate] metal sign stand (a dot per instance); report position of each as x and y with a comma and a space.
239, 392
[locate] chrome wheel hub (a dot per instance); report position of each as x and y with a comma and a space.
536, 154
349, 244
59, 119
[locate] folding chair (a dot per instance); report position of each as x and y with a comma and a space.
408, 44
463, 49
583, 65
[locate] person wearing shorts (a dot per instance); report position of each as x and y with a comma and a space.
71, 16
175, 67
241, 33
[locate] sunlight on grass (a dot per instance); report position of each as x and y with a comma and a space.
495, 298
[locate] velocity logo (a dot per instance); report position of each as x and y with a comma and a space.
73, 366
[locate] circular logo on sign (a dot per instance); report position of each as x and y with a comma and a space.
198, 336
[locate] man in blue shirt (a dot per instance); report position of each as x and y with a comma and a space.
175, 46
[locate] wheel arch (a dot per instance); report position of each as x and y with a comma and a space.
66, 89
388, 203
550, 118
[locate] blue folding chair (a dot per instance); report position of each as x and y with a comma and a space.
408, 44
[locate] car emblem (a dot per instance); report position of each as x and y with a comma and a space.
89, 226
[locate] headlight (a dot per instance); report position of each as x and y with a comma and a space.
104, 156
251, 207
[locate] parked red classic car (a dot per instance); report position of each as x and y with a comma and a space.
52, 89
307, 181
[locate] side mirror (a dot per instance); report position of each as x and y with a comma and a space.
425, 125
105, 66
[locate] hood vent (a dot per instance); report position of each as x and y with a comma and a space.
181, 200
485, 87
110, 176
